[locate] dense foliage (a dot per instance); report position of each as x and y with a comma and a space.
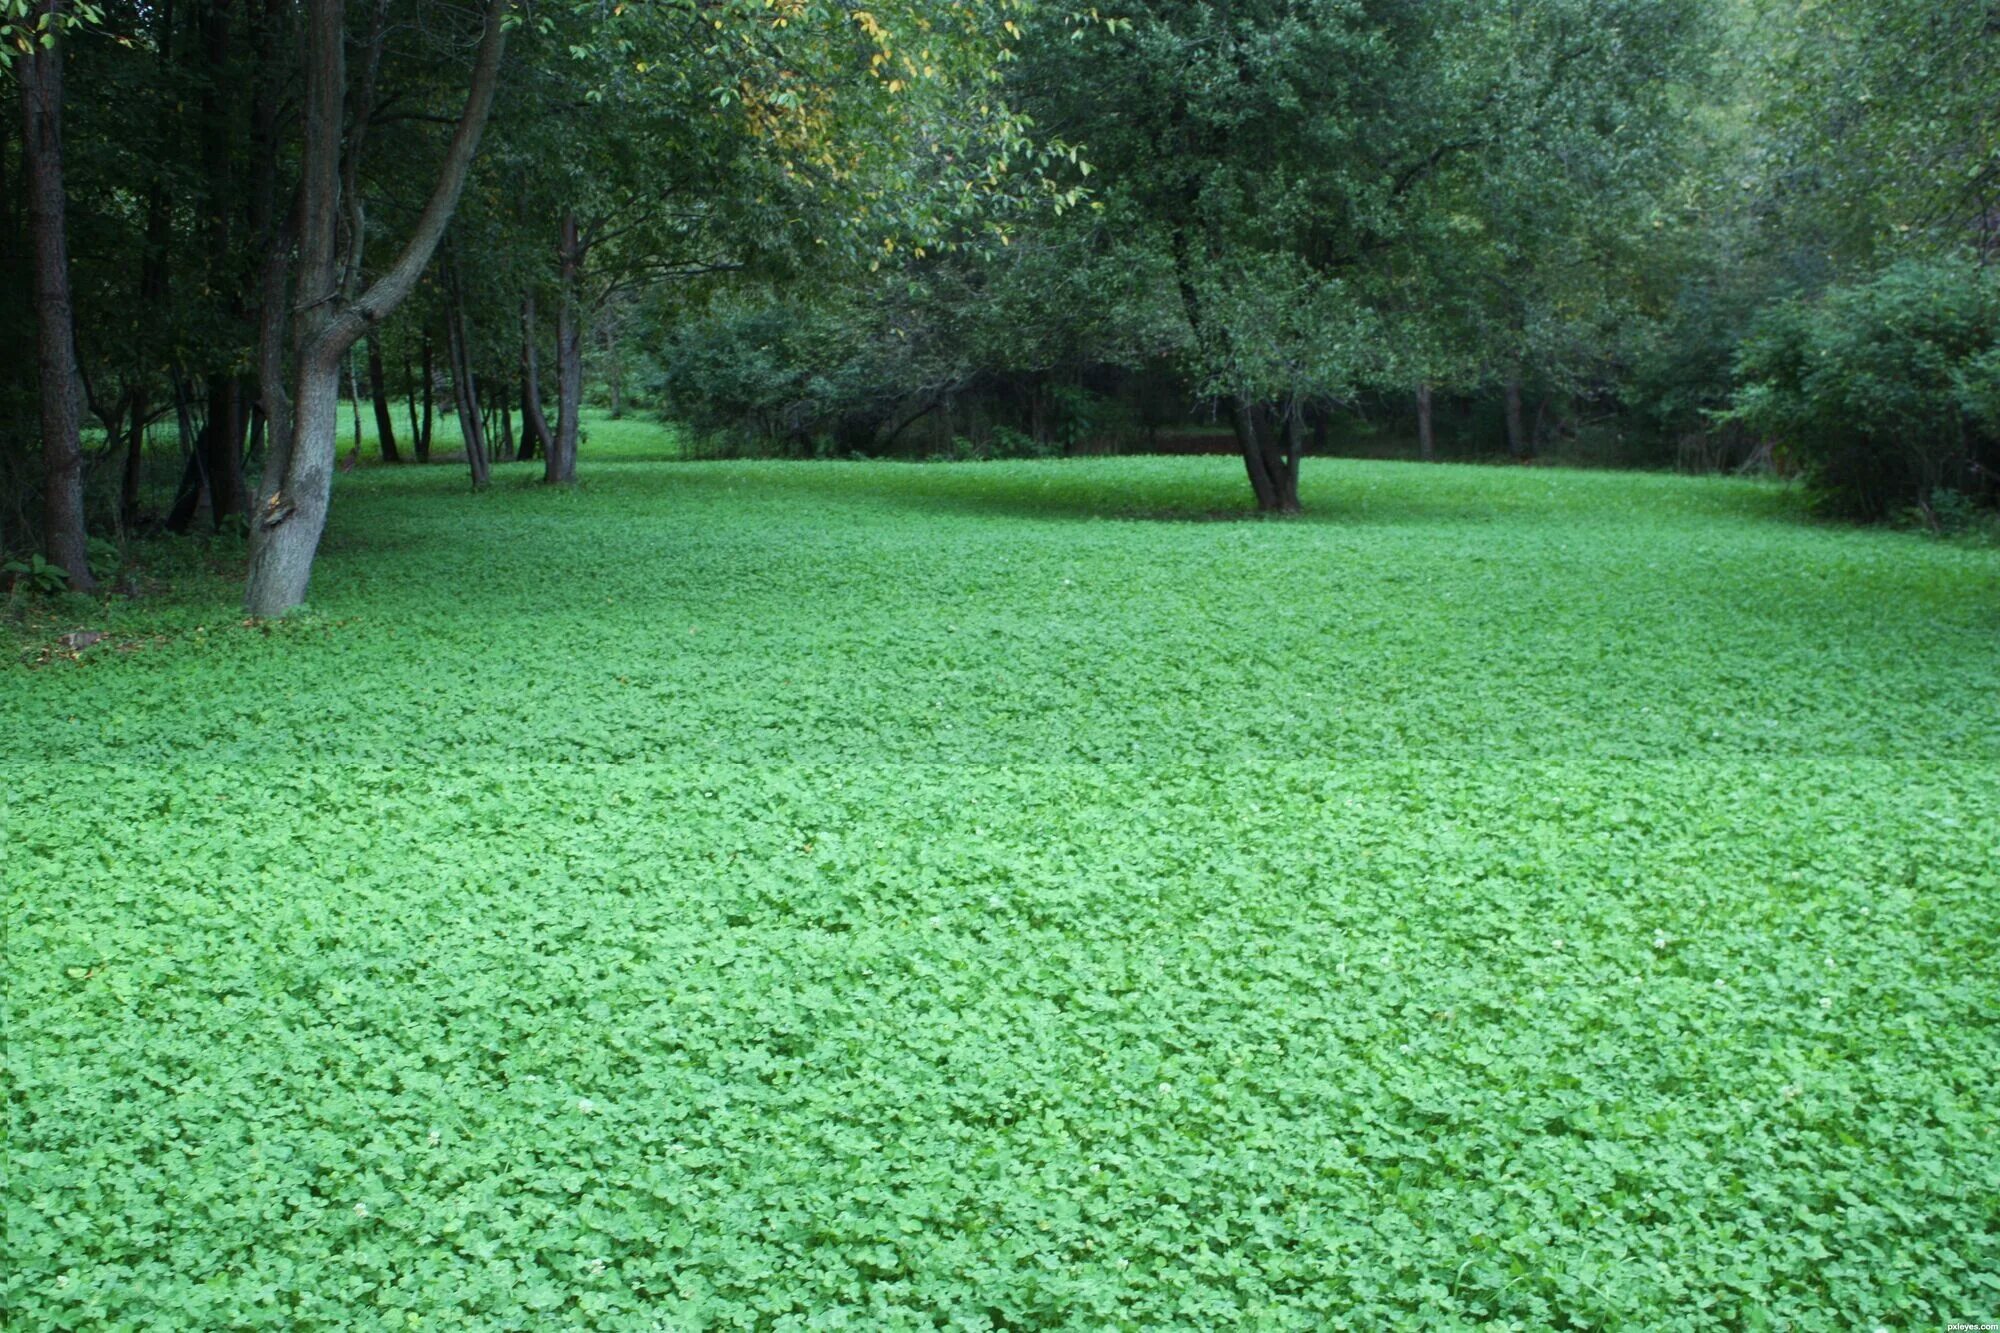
1885, 391
899, 915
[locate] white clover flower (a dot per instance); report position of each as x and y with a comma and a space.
62, 1280
361, 1210
436, 1138
585, 1105
1559, 944
1826, 1002
596, 1267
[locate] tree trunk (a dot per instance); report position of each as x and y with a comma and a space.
1426, 438
535, 434
423, 440
1285, 467
506, 419
378, 387
40, 75
194, 446
560, 461
1517, 439
614, 367
222, 450
135, 459
529, 444
298, 477
354, 409
1257, 457
465, 386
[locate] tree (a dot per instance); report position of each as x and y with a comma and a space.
1298, 160
298, 474
35, 53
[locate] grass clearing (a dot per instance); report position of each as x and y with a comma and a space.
759, 894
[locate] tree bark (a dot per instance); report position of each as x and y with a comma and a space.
1285, 467
465, 384
378, 388
506, 411
535, 434
1426, 436
1257, 461
40, 74
222, 450
135, 458
560, 458
298, 476
430, 379
1517, 438
614, 367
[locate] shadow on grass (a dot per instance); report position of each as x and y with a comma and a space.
1212, 489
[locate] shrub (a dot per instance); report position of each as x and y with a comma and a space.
1885, 392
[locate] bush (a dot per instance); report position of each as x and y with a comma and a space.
1884, 392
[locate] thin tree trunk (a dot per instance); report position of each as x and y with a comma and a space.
298, 480
535, 434
40, 75
506, 410
430, 375
465, 385
1426, 437
378, 387
135, 459
529, 444
1517, 439
194, 469
560, 458
354, 408
615, 372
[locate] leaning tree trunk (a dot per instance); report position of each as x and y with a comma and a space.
560, 461
40, 75
1426, 437
535, 433
378, 388
298, 475
1271, 462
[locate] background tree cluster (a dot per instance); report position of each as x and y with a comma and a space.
1549, 226
1720, 232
